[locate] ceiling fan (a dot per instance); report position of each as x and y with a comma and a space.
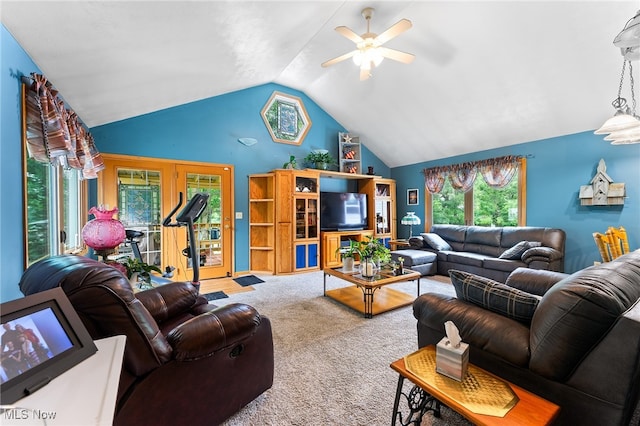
370, 52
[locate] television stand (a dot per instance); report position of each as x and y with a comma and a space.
331, 241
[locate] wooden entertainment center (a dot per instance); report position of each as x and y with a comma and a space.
284, 219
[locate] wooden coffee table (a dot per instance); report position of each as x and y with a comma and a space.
426, 395
360, 295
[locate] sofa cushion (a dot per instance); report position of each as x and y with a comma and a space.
494, 296
575, 314
452, 234
466, 258
483, 240
435, 241
503, 264
516, 252
413, 257
416, 242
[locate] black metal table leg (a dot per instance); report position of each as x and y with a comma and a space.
419, 402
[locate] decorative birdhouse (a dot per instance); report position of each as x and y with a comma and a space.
602, 191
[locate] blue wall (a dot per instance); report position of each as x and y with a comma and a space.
208, 131
555, 171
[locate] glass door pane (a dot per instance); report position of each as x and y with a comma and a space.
208, 229
139, 208
214, 229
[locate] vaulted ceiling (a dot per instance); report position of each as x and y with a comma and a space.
486, 74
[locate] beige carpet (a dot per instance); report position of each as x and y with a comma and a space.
331, 364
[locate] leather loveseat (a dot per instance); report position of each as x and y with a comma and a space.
580, 348
185, 361
493, 252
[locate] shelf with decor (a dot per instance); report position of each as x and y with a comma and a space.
350, 153
381, 193
261, 223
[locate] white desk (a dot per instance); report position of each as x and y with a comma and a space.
84, 395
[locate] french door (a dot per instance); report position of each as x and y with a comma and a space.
145, 190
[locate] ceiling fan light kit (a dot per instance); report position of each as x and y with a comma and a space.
369, 52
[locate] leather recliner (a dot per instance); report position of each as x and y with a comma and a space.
186, 361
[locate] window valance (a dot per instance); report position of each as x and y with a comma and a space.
496, 172
55, 134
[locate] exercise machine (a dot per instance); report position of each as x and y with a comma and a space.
187, 217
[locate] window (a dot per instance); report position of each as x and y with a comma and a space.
55, 210
481, 205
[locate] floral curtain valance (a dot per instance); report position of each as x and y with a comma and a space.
55, 134
496, 172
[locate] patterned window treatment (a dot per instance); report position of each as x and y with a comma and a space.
462, 176
55, 134
434, 179
497, 173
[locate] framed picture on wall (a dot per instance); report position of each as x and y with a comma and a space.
412, 197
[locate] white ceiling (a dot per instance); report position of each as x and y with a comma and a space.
487, 73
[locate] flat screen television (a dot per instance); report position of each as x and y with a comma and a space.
343, 211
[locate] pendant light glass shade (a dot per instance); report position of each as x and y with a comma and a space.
630, 35
625, 137
620, 121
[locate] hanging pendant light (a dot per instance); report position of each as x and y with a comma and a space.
625, 118
630, 34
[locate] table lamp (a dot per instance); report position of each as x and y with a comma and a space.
410, 219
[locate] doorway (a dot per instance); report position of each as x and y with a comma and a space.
145, 190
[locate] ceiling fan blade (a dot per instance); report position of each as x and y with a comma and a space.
364, 74
394, 30
396, 55
338, 59
348, 33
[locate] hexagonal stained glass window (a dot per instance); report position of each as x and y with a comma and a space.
286, 118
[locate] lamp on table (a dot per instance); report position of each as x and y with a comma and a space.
410, 219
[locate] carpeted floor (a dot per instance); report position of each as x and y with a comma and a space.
331, 364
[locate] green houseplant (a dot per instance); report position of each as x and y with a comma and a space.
348, 254
320, 159
141, 270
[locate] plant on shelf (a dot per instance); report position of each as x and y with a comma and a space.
291, 164
320, 159
140, 269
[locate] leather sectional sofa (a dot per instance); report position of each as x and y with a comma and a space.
580, 348
493, 252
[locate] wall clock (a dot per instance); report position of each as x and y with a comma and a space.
286, 118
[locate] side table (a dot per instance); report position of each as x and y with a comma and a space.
427, 394
395, 244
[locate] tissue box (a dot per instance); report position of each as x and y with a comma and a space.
451, 361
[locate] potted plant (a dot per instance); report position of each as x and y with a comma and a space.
291, 164
320, 159
138, 270
348, 255
372, 252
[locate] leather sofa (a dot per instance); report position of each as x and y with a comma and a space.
186, 361
580, 350
478, 249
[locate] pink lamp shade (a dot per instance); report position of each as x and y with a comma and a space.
104, 232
